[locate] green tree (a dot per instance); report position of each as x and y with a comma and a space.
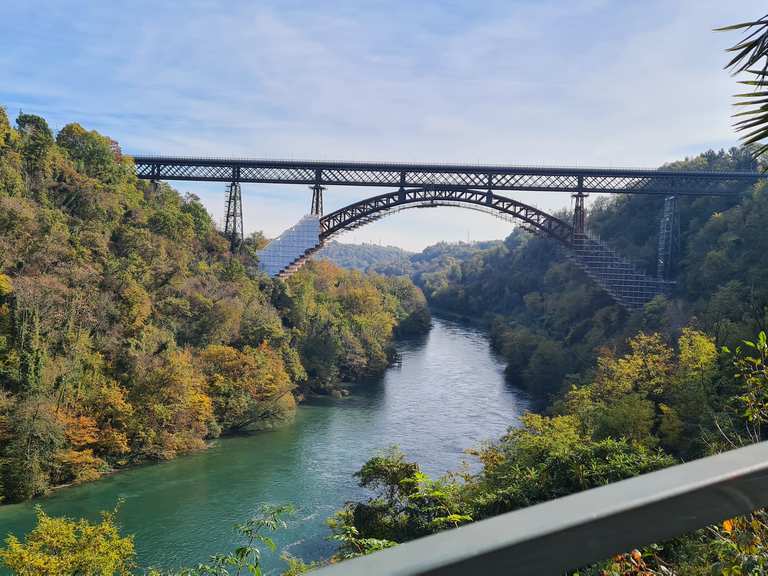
246, 558
113, 289
36, 435
751, 364
36, 141
93, 154
406, 504
11, 179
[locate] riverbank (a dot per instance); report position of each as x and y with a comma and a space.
447, 394
150, 335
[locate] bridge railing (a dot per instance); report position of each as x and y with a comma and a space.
584, 528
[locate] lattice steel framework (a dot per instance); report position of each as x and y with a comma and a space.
669, 234
317, 194
233, 225
541, 179
626, 284
621, 279
423, 185
365, 211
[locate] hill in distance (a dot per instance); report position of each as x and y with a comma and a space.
394, 261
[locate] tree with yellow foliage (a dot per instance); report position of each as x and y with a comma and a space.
64, 547
248, 386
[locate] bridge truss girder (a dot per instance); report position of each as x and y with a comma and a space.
499, 178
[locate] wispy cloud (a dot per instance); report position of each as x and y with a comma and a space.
571, 82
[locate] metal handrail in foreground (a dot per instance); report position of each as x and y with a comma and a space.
583, 528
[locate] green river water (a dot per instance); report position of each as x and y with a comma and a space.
448, 393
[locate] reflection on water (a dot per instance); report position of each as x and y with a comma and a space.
445, 395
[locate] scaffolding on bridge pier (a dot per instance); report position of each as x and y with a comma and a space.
619, 277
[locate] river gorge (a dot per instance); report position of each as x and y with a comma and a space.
446, 393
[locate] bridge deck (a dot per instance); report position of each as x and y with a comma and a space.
487, 177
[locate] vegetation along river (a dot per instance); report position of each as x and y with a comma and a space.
447, 394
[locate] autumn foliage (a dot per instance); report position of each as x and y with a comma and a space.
128, 332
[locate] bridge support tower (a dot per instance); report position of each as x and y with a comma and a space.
579, 211
669, 235
233, 225
317, 194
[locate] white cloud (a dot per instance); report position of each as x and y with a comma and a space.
591, 82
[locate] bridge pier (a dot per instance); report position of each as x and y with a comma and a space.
233, 225
317, 194
579, 211
668, 237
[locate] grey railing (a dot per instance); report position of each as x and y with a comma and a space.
583, 528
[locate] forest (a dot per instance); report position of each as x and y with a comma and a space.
128, 331
363, 256
549, 320
620, 393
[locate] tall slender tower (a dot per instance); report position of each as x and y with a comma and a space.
669, 234
233, 225
579, 211
317, 194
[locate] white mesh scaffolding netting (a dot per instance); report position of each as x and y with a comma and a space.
290, 246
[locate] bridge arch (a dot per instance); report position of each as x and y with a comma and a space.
371, 209
624, 283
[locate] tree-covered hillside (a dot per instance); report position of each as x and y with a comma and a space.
549, 319
625, 393
366, 256
129, 332
393, 261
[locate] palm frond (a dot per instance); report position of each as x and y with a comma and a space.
750, 56
750, 102
739, 26
760, 151
760, 110
751, 95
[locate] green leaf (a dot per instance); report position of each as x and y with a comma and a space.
739, 26
751, 95
242, 551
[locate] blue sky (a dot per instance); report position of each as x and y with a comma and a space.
569, 82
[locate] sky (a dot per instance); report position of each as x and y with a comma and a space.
543, 82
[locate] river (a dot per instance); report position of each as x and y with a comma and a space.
447, 393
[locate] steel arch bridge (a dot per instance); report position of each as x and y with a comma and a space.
467, 186
371, 209
462, 184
